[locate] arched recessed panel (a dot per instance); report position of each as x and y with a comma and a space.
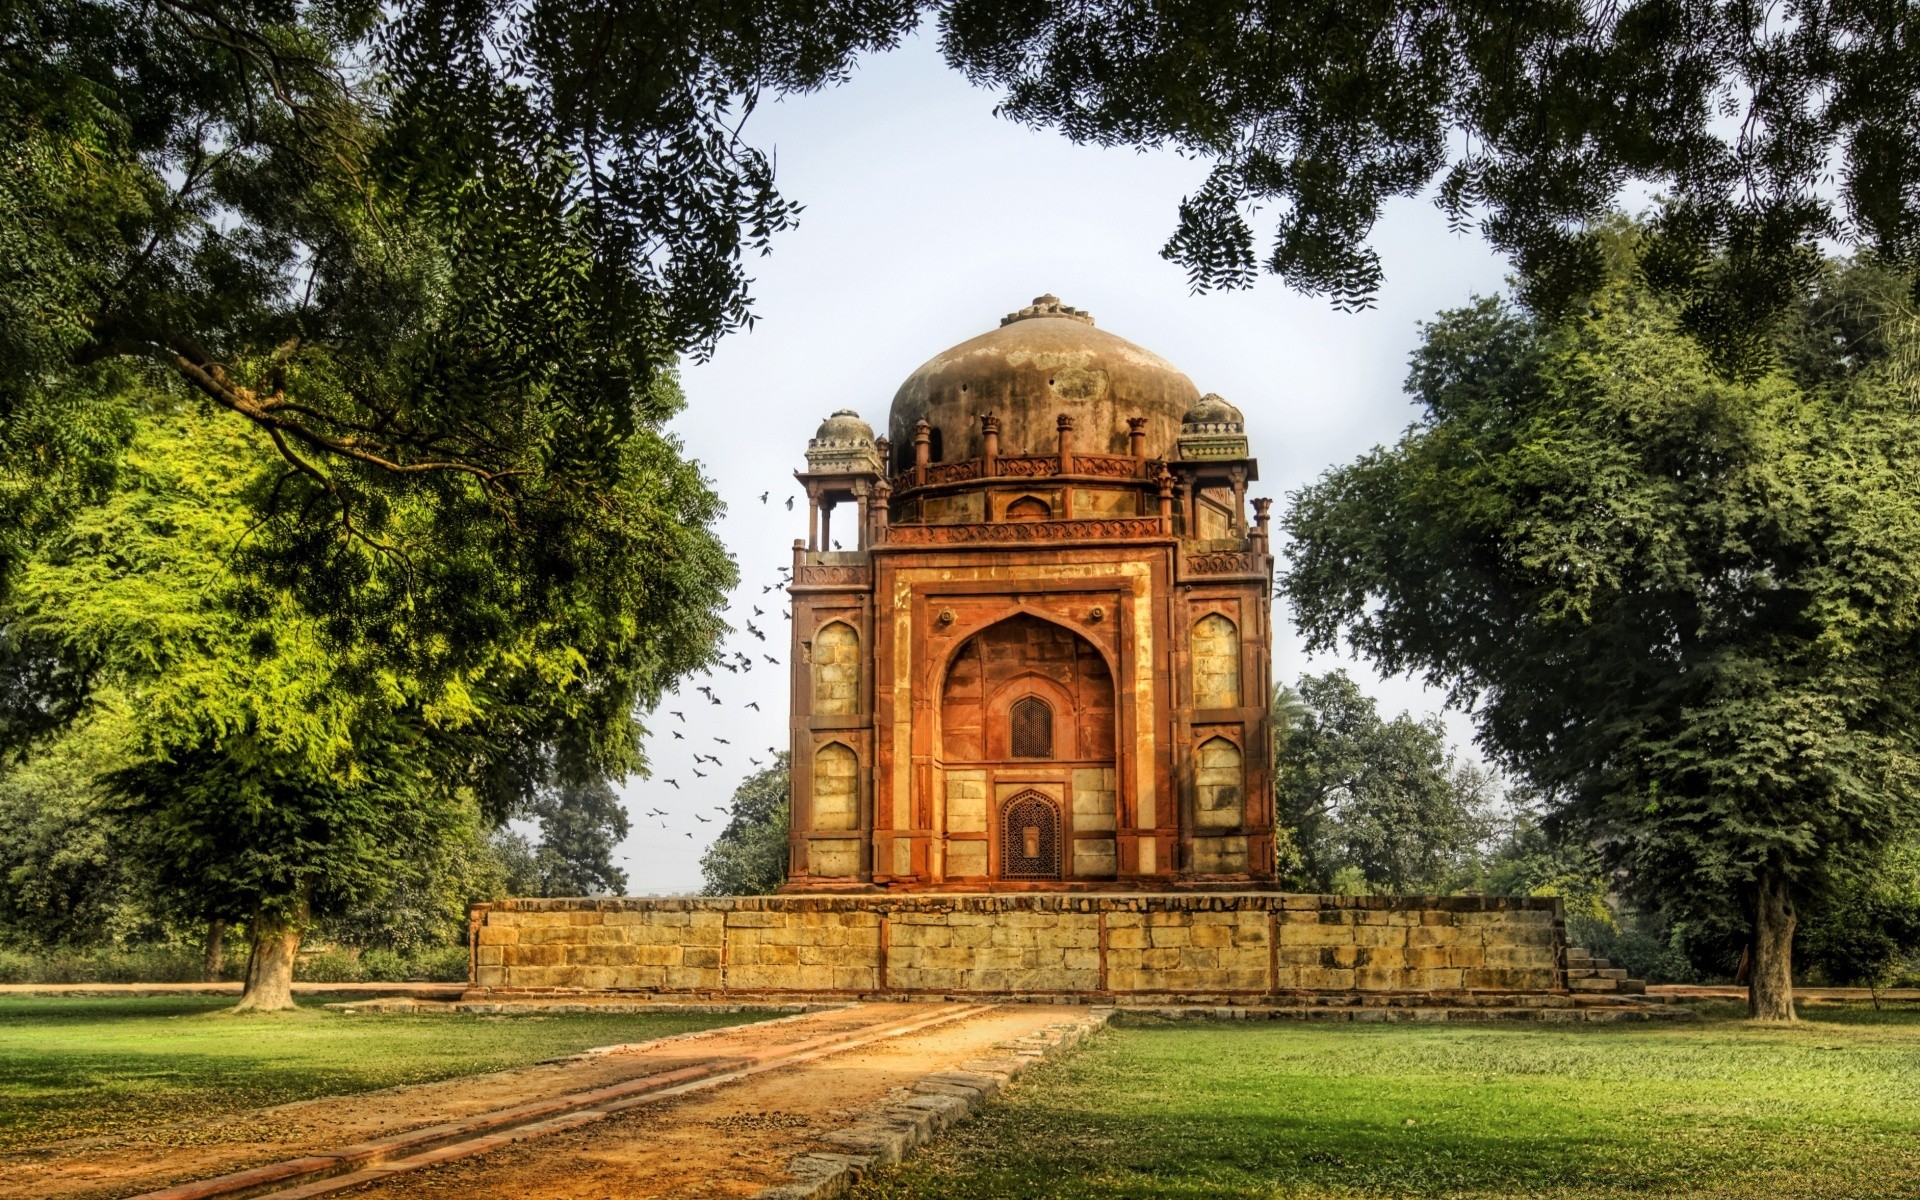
1030, 838
1009, 661
836, 788
1029, 508
1216, 663
1030, 728
836, 671
1219, 793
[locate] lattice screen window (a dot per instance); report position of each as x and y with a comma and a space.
1032, 728
1030, 838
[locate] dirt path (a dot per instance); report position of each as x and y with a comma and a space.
194, 1147
729, 1142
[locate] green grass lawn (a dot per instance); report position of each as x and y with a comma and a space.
1715, 1108
90, 1065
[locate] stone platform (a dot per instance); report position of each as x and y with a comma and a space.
1225, 947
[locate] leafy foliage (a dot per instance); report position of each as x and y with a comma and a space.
580, 828
1865, 931
1766, 129
749, 858
67, 876
1686, 609
1373, 805
276, 771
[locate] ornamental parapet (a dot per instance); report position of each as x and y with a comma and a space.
1029, 466
1102, 529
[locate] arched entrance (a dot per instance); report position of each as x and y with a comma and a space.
1027, 754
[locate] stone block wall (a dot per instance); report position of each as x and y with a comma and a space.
1094, 946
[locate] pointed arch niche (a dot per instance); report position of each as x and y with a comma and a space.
1027, 706
1216, 662
836, 670
835, 809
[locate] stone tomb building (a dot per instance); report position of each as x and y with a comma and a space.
1031, 753
1031, 652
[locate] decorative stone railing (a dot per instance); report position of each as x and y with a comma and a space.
1026, 531
1032, 466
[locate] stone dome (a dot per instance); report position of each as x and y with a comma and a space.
1214, 410
1044, 360
844, 427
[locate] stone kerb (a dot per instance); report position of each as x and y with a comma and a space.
1075, 945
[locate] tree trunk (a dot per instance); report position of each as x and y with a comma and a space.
216, 949
276, 942
1770, 993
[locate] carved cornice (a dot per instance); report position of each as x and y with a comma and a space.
832, 577
1025, 531
1223, 562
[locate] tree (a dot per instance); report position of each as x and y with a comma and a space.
749, 858
1866, 928
1766, 130
1382, 804
1687, 609
67, 874
580, 827
427, 248
287, 771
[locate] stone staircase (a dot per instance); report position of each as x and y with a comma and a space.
1590, 975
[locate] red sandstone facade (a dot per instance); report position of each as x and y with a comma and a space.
1041, 661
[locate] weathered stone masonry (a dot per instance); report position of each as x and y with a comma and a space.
1232, 944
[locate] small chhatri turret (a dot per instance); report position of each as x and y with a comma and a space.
1212, 430
843, 445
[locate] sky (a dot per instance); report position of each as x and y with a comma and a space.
926, 220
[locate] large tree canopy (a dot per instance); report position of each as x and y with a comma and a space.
1686, 608
1381, 805
1765, 127
278, 772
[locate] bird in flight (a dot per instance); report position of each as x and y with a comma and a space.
720, 808
754, 705
674, 782
836, 543
672, 713
770, 658
689, 835
757, 611
699, 774
703, 820
765, 494
705, 691
729, 666
755, 632
677, 735
789, 503
766, 589
753, 760
723, 741
713, 698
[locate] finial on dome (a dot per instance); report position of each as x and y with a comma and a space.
1048, 306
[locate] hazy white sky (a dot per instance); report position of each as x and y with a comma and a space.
927, 219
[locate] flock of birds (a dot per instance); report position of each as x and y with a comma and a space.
735, 662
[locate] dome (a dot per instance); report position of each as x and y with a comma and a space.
843, 445
1214, 410
1044, 360
844, 427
